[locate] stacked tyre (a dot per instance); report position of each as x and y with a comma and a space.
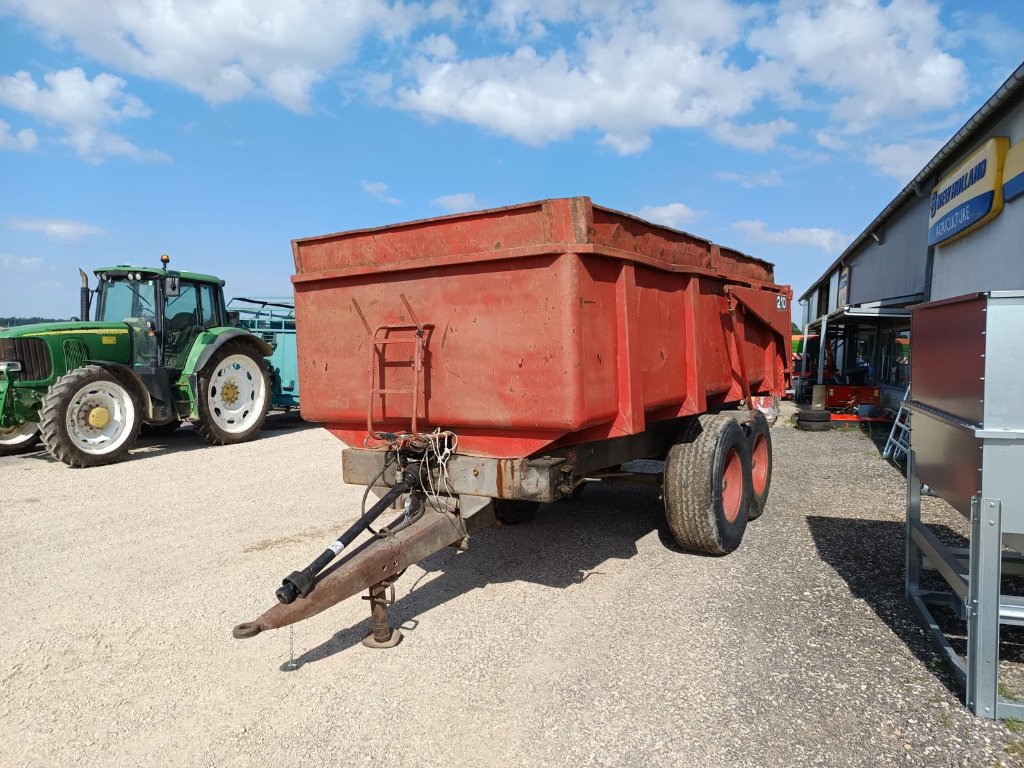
813, 421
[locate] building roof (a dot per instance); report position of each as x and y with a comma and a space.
1001, 101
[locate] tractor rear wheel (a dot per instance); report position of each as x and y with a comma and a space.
18, 439
708, 485
89, 418
233, 396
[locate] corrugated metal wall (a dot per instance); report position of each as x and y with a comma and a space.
896, 267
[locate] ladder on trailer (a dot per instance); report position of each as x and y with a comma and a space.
898, 444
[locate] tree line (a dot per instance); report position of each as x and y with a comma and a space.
8, 322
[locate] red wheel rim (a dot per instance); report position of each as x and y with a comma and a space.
732, 486
759, 464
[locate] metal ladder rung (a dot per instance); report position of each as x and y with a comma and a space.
899, 436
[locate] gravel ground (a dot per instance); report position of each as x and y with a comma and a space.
582, 638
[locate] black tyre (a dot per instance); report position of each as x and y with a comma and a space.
809, 415
760, 439
511, 512
19, 439
233, 396
814, 426
707, 485
161, 430
90, 417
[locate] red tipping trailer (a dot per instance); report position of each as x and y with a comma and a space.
510, 355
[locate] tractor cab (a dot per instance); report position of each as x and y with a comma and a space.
165, 309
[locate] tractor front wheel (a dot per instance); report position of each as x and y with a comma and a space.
18, 439
89, 418
234, 395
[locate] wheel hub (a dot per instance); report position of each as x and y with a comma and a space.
229, 393
98, 417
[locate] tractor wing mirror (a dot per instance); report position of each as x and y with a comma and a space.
171, 287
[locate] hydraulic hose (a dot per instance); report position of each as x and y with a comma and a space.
301, 583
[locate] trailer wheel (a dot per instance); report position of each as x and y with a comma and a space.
760, 439
89, 418
511, 512
233, 396
707, 485
17, 439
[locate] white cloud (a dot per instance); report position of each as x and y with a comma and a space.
20, 263
756, 137
905, 160
620, 68
881, 61
828, 240
228, 50
24, 140
59, 230
82, 107
379, 190
439, 47
675, 215
458, 202
638, 67
752, 181
830, 141
632, 70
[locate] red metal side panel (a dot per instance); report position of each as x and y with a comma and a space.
552, 322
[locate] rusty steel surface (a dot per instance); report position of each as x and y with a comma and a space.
550, 324
375, 561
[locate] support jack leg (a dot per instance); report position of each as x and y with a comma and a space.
383, 636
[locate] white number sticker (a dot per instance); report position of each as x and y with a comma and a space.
780, 303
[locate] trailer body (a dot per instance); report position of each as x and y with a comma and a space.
481, 364
548, 324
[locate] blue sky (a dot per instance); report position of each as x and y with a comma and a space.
218, 131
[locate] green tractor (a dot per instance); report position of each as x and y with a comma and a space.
160, 351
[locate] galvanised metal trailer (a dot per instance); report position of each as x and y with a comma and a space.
967, 445
481, 364
273, 320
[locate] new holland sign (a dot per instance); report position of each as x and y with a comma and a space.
1013, 172
970, 196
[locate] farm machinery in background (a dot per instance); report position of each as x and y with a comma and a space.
163, 349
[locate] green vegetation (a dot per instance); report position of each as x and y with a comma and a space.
10, 322
1014, 724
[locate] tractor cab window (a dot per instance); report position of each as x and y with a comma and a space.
134, 303
209, 306
182, 310
123, 299
183, 320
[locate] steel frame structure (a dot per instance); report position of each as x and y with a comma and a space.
967, 444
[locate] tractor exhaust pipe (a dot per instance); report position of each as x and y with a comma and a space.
84, 302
